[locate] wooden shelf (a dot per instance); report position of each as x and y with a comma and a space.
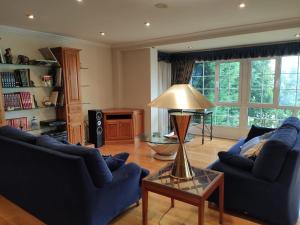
27, 87
23, 65
40, 107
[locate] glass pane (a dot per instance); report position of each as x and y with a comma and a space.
287, 97
267, 117
210, 94
288, 81
256, 80
209, 82
233, 95
209, 68
256, 96
229, 82
267, 96
226, 116
262, 81
197, 82
263, 66
198, 69
289, 64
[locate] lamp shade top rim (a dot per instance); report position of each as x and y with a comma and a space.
181, 96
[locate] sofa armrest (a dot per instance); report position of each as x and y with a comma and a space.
126, 172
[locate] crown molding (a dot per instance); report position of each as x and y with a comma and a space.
4, 28
214, 33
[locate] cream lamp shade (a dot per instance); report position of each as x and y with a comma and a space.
181, 96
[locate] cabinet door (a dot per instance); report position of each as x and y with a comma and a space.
71, 73
111, 130
75, 132
125, 129
2, 112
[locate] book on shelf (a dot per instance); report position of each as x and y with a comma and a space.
18, 78
19, 123
12, 101
23, 77
54, 98
19, 100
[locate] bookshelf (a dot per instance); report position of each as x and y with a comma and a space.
32, 90
69, 109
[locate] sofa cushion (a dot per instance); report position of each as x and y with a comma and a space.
116, 161
236, 160
292, 121
257, 131
16, 134
95, 163
269, 162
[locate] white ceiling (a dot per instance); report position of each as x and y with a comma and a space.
123, 20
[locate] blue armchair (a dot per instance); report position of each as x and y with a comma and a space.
58, 188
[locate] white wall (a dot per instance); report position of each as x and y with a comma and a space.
96, 57
133, 72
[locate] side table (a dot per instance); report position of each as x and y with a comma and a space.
194, 191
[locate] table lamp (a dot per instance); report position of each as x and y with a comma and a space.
182, 97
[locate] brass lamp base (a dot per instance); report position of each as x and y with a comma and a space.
181, 167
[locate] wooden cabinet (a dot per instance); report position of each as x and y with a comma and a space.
72, 112
122, 125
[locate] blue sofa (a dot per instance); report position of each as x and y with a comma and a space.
57, 187
271, 190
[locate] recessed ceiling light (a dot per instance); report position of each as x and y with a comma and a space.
189, 47
297, 35
161, 5
79, 1
147, 24
242, 5
30, 16
102, 33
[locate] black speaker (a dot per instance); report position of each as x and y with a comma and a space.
96, 131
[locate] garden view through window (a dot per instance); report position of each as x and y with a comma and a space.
272, 90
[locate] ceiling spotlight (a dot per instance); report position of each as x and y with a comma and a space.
30, 16
102, 33
147, 24
242, 5
297, 35
80, 1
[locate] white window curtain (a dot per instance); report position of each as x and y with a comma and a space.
164, 82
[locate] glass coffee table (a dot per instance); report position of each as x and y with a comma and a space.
194, 191
165, 148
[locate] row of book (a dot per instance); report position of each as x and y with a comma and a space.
19, 123
18, 78
19, 100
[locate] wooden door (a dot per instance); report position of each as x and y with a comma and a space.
71, 72
2, 112
111, 130
125, 129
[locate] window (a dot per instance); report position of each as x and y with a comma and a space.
226, 116
203, 79
262, 81
229, 80
289, 81
267, 117
262, 101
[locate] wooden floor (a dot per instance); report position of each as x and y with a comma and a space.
140, 153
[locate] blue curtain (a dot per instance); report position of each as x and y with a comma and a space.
270, 50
